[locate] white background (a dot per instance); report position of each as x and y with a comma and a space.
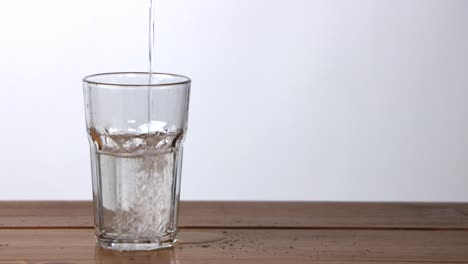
291, 100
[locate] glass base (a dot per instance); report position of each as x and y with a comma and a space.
130, 245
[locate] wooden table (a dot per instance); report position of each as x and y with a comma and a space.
250, 232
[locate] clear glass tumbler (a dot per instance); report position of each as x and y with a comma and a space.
136, 128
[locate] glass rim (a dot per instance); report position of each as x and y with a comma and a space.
186, 80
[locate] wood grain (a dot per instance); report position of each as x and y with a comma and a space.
45, 214
324, 215
246, 246
123, 259
256, 214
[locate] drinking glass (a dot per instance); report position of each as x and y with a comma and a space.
136, 124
